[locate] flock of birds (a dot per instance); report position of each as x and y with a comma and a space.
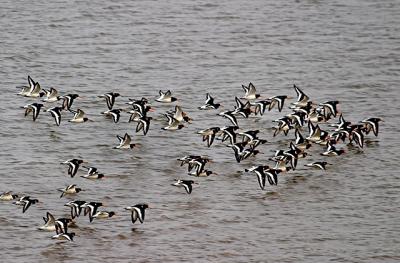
244, 143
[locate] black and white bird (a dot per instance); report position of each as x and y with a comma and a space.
187, 184
279, 156
69, 190
357, 136
332, 151
209, 104
318, 115
318, 165
8, 196
76, 207
256, 142
209, 134
306, 109
64, 236
173, 124
91, 170
197, 164
35, 91
302, 98
92, 173
300, 142
90, 209
229, 115
261, 106
26, 90
49, 223
135, 115
166, 97
115, 114
272, 176
264, 172
339, 135
143, 124
68, 100
56, 113
250, 151
110, 98
94, 176
280, 165
277, 100
342, 124
61, 225
187, 158
203, 173
330, 108
73, 166
79, 116
26, 202
143, 101
259, 171
229, 132
316, 134
249, 136
180, 115
284, 125
298, 118
125, 142
239, 149
250, 92
51, 95
34, 108
243, 109
140, 106
372, 124
137, 212
293, 154
103, 214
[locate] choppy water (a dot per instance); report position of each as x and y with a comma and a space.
345, 50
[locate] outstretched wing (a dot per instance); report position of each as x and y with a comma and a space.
134, 216
27, 204
188, 187
301, 96
261, 178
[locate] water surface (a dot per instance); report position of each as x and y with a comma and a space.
344, 50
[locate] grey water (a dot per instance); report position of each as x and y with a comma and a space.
346, 50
